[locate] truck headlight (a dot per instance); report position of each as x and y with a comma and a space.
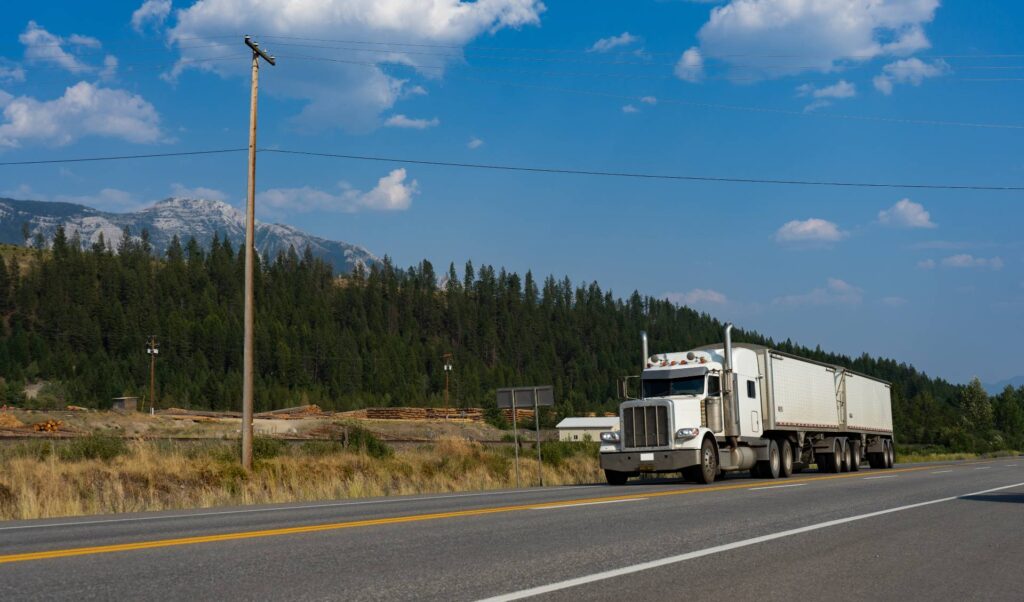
610, 437
687, 433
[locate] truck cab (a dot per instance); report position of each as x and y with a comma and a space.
683, 415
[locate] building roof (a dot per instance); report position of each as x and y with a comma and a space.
601, 422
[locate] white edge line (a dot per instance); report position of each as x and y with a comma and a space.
940, 471
982, 467
644, 566
1011, 465
776, 487
287, 508
888, 476
632, 499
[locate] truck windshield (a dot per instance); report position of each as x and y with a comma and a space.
663, 387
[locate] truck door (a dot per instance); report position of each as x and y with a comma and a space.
749, 396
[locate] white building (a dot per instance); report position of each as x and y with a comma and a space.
584, 429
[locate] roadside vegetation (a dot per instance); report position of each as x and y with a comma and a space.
99, 474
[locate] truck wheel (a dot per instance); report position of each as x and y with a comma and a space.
770, 468
845, 461
708, 469
615, 477
854, 456
786, 458
890, 454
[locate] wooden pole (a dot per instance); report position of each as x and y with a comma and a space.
250, 238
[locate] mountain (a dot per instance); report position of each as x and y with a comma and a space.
187, 218
997, 387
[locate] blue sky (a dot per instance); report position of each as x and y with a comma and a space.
889, 91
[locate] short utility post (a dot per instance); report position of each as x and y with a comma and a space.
250, 236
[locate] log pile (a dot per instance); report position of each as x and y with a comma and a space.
48, 426
452, 414
521, 415
10, 421
306, 411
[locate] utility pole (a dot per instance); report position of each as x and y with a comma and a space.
152, 349
447, 370
250, 238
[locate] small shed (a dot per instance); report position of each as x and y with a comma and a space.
586, 429
128, 404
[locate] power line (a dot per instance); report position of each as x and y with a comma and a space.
534, 169
123, 157
648, 176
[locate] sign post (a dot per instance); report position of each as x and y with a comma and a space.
538, 396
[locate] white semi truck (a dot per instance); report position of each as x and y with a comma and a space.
726, 408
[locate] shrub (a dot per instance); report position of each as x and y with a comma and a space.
321, 448
556, 453
263, 448
36, 450
93, 447
364, 440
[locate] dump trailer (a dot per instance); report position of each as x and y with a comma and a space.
728, 408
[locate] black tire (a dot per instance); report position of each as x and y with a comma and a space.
854, 456
890, 454
771, 467
708, 469
615, 477
786, 457
875, 460
844, 459
824, 462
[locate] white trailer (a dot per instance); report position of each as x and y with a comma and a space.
724, 408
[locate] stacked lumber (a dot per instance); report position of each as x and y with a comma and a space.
460, 414
521, 415
306, 411
77, 409
48, 426
354, 414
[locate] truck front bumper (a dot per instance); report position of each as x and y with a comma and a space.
666, 460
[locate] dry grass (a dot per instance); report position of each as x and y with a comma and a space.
36, 483
911, 458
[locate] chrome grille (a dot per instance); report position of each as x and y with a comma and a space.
645, 426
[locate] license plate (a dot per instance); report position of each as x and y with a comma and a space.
647, 457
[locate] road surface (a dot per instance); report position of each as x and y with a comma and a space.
918, 532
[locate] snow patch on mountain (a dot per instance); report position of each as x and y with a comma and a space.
187, 218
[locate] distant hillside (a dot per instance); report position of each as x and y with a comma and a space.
997, 387
200, 219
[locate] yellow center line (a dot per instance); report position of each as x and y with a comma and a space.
200, 539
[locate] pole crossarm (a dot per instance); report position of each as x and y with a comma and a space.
263, 53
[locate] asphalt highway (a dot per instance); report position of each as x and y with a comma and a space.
917, 532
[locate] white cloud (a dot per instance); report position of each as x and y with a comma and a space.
474, 143
392, 193
10, 72
835, 292
810, 230
965, 260
42, 46
840, 89
606, 44
691, 65
401, 121
152, 12
751, 35
85, 109
630, 109
650, 100
199, 192
908, 71
698, 296
349, 96
906, 214
926, 264
109, 70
